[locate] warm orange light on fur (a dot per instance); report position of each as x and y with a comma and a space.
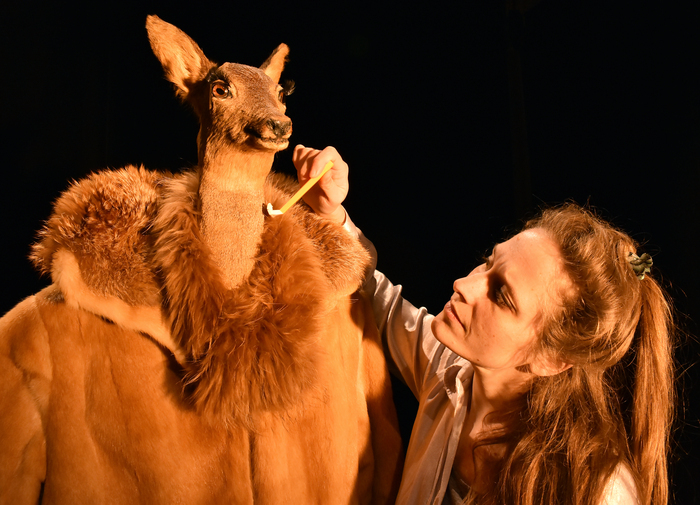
191, 349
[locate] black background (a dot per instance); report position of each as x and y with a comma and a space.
420, 100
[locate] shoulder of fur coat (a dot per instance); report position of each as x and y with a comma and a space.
126, 245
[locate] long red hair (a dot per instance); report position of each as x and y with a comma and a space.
615, 405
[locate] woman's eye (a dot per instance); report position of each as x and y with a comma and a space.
501, 298
220, 90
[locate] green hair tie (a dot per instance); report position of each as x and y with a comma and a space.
640, 264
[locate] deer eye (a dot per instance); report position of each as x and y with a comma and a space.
219, 89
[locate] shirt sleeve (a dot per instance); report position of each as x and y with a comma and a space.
621, 489
412, 352
408, 341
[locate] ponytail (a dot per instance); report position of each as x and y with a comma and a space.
653, 396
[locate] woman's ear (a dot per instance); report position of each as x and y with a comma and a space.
546, 366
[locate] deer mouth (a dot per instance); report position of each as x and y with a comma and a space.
272, 143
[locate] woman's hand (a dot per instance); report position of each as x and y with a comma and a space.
329, 192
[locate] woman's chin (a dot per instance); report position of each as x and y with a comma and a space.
444, 333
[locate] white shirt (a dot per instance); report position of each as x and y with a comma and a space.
440, 380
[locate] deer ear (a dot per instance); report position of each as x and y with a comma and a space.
182, 59
274, 65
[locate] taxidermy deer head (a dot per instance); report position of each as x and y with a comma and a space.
243, 124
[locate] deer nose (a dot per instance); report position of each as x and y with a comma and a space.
280, 128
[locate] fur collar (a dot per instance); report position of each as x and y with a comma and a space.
126, 245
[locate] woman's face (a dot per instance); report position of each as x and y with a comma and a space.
493, 316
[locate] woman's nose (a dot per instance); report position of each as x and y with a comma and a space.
472, 287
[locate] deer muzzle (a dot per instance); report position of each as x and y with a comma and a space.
272, 133
281, 130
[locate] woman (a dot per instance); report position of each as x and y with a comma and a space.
547, 378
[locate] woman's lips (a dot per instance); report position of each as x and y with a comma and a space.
449, 310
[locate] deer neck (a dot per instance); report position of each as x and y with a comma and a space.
232, 196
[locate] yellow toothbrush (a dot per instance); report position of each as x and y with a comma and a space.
294, 199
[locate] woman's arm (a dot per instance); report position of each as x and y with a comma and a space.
412, 351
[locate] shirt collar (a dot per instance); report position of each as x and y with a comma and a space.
457, 378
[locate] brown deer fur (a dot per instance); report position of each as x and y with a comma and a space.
191, 349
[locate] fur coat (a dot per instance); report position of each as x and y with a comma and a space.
137, 377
